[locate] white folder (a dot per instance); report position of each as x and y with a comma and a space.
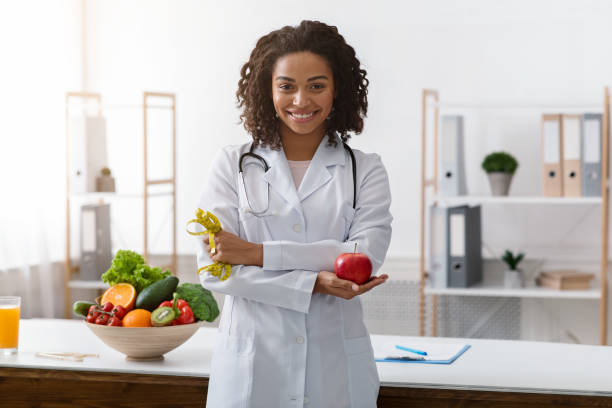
552, 151
87, 152
452, 162
438, 259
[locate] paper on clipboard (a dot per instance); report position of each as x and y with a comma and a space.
437, 353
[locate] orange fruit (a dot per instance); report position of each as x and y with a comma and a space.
137, 318
122, 294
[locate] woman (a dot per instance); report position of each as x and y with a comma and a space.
291, 332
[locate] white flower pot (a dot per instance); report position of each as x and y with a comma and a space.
513, 279
499, 182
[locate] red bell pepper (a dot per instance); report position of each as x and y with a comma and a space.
186, 314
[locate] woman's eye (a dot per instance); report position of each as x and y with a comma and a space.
285, 86
318, 86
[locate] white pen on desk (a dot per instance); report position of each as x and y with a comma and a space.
420, 352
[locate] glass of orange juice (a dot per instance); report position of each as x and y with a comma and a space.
9, 324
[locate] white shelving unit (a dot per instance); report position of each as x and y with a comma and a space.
528, 292
430, 99
83, 284
93, 101
110, 196
460, 200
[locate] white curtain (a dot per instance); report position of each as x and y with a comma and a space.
41, 54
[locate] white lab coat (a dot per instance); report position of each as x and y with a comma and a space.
280, 345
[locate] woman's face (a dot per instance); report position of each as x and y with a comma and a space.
303, 93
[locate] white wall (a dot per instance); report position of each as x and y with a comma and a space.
40, 59
543, 51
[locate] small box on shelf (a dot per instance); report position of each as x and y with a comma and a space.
565, 280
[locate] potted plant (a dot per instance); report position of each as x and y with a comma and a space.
105, 183
513, 276
500, 167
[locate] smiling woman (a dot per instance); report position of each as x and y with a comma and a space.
289, 323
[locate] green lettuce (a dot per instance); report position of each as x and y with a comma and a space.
130, 267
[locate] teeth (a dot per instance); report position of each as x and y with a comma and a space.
306, 116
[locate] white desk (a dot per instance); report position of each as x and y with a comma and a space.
510, 370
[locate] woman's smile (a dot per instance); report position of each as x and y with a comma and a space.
302, 116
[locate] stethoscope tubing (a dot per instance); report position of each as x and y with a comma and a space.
266, 168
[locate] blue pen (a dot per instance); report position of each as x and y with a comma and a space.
422, 353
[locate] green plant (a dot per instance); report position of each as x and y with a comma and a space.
512, 260
499, 161
105, 171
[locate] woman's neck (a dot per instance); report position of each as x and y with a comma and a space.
300, 147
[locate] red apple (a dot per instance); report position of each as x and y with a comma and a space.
353, 266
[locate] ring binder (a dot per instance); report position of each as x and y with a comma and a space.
552, 152
456, 256
591, 154
572, 172
452, 161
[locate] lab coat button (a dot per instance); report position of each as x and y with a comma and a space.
299, 340
306, 400
297, 227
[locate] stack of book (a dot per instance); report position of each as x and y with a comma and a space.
564, 280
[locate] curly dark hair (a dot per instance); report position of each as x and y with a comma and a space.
350, 82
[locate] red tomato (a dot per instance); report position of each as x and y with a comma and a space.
102, 319
119, 312
93, 314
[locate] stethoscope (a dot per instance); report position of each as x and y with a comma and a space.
266, 167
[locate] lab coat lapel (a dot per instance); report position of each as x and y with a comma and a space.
279, 176
318, 174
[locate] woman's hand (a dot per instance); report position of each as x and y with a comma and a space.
231, 249
329, 284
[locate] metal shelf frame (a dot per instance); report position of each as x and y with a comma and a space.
430, 99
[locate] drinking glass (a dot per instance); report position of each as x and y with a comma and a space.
9, 324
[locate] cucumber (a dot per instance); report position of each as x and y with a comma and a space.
81, 307
151, 296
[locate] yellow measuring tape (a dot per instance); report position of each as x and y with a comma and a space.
211, 225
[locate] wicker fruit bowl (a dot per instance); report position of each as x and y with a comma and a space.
144, 343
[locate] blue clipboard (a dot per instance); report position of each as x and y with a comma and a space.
425, 361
